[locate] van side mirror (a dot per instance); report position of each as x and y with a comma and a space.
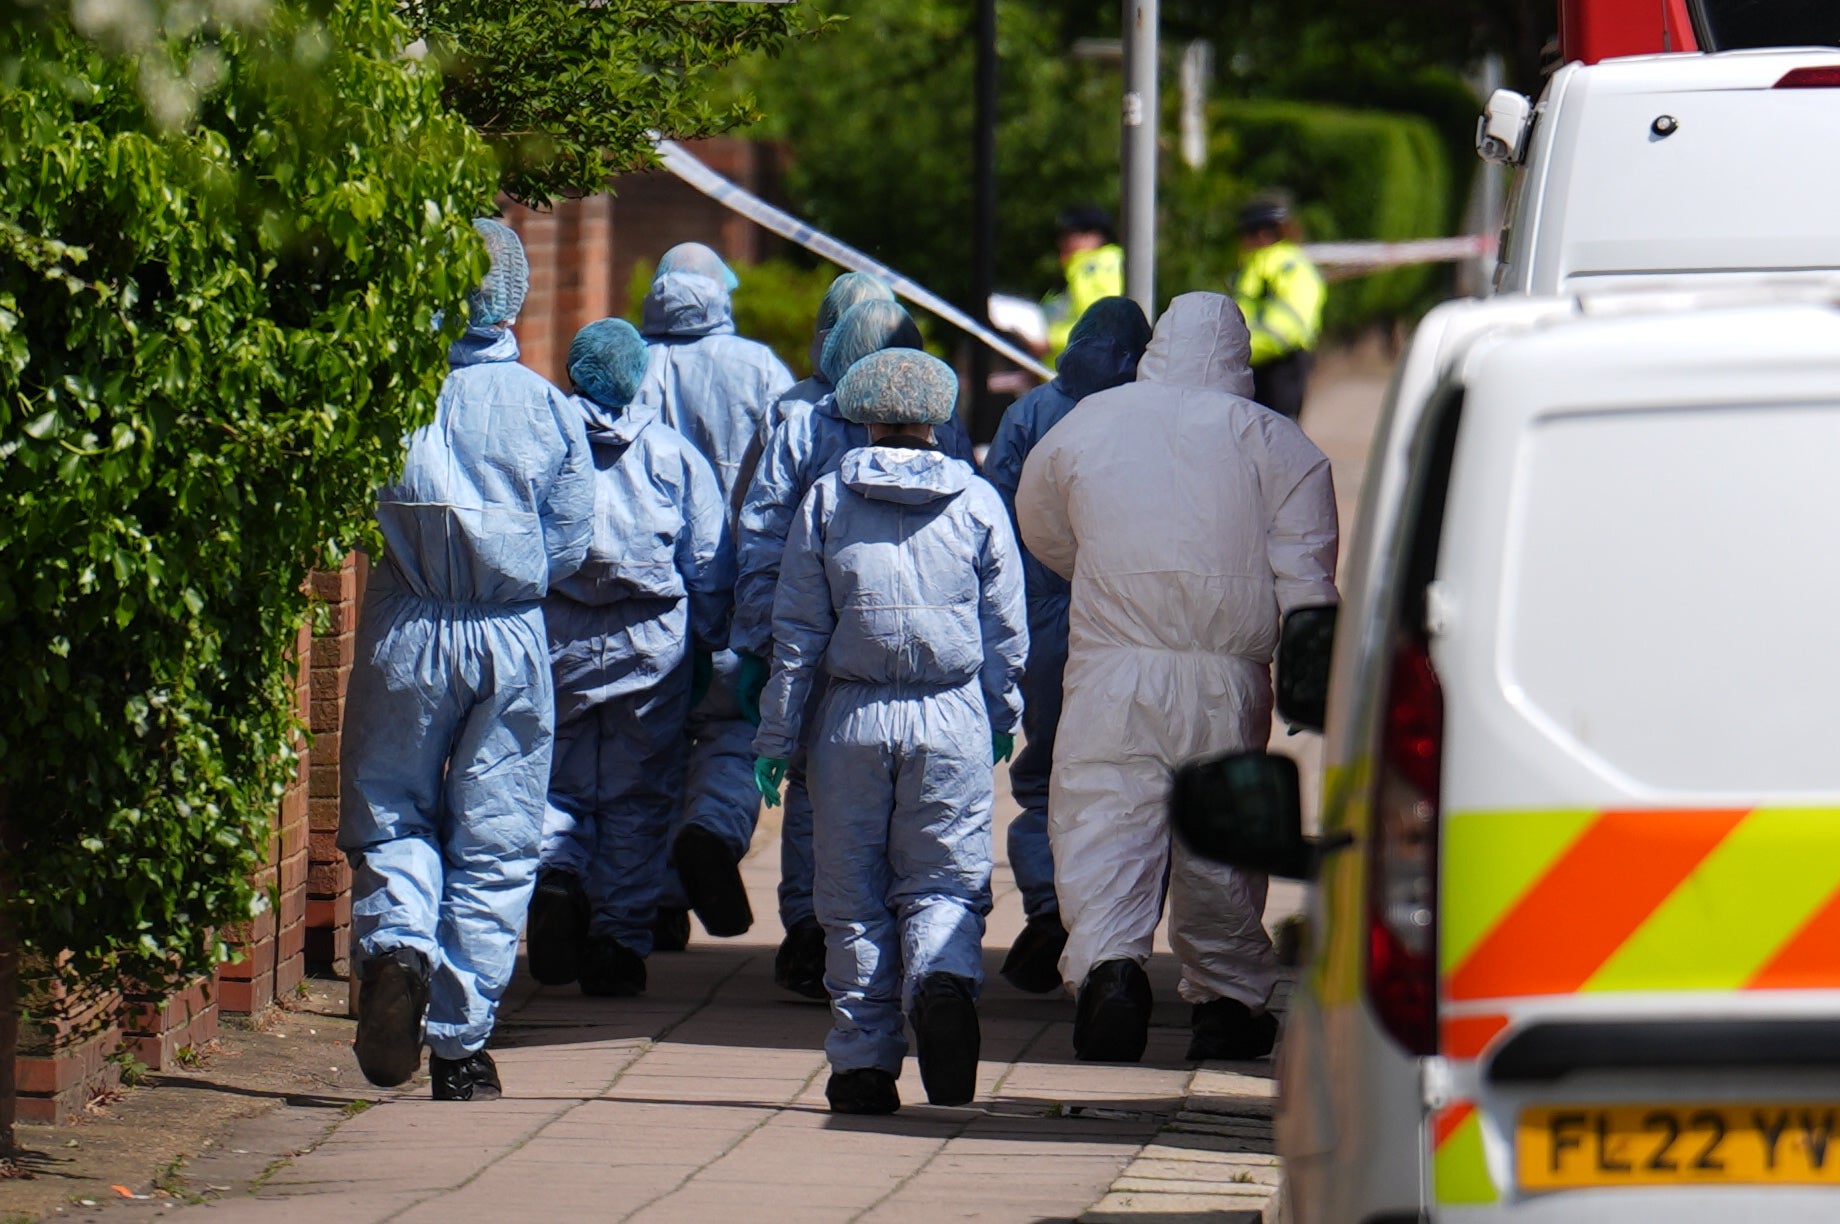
1305, 647
1501, 133
1244, 810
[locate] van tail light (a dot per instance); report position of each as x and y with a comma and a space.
1827, 76
1402, 855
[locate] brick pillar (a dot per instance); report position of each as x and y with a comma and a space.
273, 946
543, 348
341, 591
291, 936
65, 1043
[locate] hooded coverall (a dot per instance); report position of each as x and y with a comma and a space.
658, 577
902, 584
450, 715
1189, 519
714, 387
1090, 364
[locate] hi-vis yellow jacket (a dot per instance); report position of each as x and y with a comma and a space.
1281, 294
1091, 275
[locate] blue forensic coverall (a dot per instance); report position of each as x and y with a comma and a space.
658, 578
1091, 363
714, 388
902, 584
450, 713
809, 443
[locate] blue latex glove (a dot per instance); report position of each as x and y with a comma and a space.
1001, 746
769, 772
750, 683
702, 672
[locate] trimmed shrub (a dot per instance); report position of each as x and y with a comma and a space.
1355, 174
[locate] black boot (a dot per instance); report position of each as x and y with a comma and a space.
869, 1090
946, 1034
1034, 960
1111, 1023
611, 970
557, 928
712, 880
799, 964
473, 1078
392, 1000
1227, 1029
671, 929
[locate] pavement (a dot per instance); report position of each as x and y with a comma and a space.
703, 1099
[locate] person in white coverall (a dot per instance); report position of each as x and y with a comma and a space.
1189, 520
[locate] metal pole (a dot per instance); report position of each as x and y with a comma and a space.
1140, 126
984, 221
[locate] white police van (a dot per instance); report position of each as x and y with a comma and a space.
1574, 948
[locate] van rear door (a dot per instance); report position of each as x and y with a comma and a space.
1633, 626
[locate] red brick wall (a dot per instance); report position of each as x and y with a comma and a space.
273, 946
341, 591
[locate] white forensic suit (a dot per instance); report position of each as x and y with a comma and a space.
1189, 520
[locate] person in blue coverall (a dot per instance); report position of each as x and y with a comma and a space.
808, 444
714, 387
1102, 352
655, 590
902, 585
450, 715
849, 289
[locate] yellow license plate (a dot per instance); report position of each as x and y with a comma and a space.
1668, 1145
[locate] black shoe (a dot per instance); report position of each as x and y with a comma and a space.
712, 880
946, 1034
1034, 960
799, 964
392, 999
1227, 1029
671, 929
611, 970
473, 1078
557, 928
1112, 1020
869, 1090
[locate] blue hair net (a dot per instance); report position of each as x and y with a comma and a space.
501, 295
866, 328
607, 360
898, 387
850, 289
697, 258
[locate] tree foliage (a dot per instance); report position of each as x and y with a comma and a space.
217, 320
879, 119
879, 116
570, 93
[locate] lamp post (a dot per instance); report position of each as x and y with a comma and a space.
984, 204
1139, 152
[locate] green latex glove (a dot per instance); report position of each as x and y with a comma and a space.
1001, 746
769, 772
702, 672
750, 683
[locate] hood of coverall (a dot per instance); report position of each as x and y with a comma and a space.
1103, 350
1201, 341
685, 304
907, 476
615, 426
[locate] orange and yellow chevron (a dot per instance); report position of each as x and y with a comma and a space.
1561, 902
1459, 1164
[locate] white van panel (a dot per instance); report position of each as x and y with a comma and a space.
1747, 182
1671, 593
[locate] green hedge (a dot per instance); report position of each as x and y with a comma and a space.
1356, 175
